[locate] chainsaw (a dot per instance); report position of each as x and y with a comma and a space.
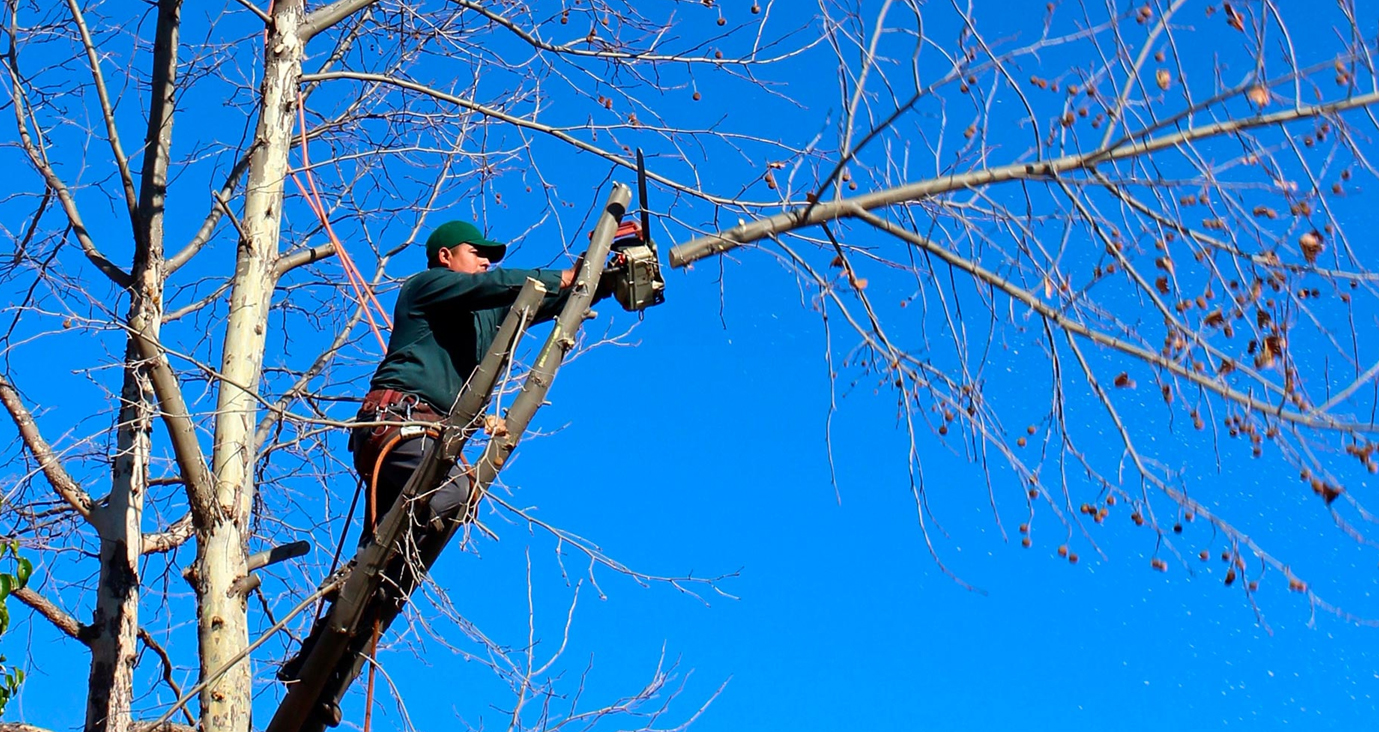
635, 266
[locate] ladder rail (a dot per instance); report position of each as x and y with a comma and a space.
329, 664
342, 624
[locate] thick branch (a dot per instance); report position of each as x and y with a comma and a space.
170, 538
181, 429
56, 615
323, 18
818, 213
158, 137
38, 158
62, 482
302, 257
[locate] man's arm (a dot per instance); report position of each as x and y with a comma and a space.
555, 300
552, 304
496, 288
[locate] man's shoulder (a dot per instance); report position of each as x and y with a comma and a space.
426, 279
426, 275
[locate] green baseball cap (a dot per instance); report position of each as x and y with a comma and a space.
454, 233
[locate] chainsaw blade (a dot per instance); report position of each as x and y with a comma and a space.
641, 194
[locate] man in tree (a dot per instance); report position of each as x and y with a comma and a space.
444, 322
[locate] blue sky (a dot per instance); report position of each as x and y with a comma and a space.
712, 438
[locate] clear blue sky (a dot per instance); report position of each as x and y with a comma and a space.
710, 433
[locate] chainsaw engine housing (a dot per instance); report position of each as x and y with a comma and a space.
639, 284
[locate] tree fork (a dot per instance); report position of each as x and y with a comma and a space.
114, 631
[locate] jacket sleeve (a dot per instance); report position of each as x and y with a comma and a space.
496, 288
552, 304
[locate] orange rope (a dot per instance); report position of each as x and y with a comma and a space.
373, 479
373, 521
364, 294
365, 297
373, 668
321, 210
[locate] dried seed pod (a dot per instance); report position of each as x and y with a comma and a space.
1312, 245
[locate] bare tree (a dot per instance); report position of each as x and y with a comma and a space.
329, 98
1149, 197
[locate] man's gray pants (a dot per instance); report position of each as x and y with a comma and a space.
447, 501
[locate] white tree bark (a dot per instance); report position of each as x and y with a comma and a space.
114, 630
222, 544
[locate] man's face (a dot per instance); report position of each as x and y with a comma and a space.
464, 259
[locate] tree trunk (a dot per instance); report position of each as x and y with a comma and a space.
114, 628
222, 548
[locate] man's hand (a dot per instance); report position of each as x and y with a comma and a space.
607, 283
567, 276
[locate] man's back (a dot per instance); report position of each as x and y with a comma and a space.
444, 322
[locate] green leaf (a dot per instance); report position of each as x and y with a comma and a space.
6, 585
24, 572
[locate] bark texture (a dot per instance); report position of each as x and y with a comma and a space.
113, 634
114, 629
222, 549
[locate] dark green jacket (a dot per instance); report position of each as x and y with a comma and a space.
444, 323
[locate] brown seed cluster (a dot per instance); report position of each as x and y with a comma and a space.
1365, 454
1098, 513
